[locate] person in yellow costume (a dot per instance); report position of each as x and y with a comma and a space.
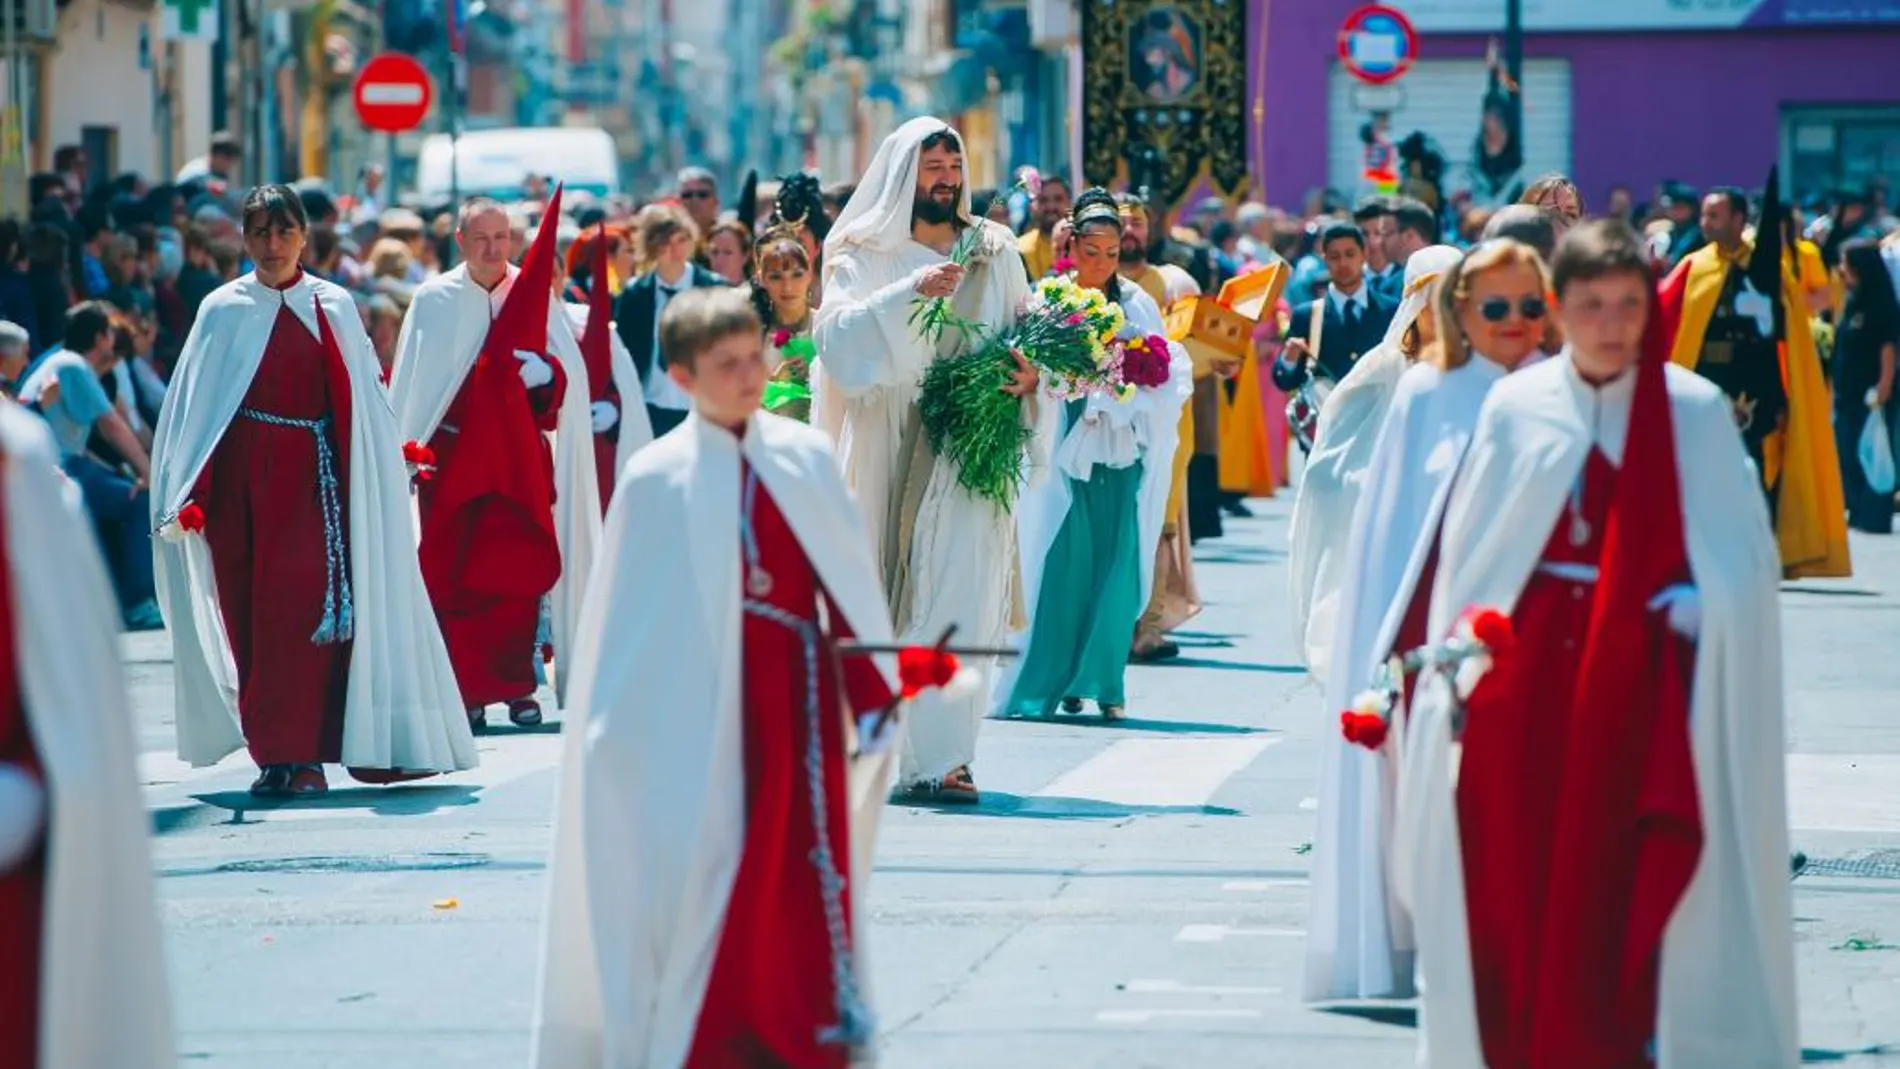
1251, 453
1175, 599
1726, 328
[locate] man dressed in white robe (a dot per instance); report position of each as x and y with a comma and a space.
519, 559
82, 970
1626, 754
946, 556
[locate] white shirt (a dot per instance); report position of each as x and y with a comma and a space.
661, 390
1340, 298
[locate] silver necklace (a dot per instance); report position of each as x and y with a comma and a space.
758, 581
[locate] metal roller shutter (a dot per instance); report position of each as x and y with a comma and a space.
1443, 98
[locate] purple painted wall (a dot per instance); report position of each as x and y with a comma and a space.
1645, 106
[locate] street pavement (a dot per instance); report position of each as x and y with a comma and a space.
1127, 896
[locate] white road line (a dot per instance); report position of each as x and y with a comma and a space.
1309, 805
1146, 1016
1252, 886
1157, 772
1844, 792
1176, 987
1217, 933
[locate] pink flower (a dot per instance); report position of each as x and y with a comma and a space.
1064, 266
1031, 180
1075, 319
780, 337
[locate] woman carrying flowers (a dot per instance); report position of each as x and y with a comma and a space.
1088, 538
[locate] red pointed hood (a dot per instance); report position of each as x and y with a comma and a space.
522, 322
596, 340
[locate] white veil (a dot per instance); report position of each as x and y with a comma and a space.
1335, 471
878, 214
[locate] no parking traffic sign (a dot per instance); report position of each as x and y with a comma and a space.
1377, 44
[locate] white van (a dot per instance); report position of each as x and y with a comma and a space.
494, 163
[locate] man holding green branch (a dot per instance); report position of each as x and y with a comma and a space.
948, 556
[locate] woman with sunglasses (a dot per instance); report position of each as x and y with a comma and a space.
1489, 310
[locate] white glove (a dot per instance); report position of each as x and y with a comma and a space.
1755, 305
535, 371
22, 815
1684, 607
605, 416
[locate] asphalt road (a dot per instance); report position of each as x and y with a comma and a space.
1128, 896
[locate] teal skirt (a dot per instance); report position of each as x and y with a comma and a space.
1089, 599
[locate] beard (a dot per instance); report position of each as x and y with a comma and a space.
1133, 253
927, 209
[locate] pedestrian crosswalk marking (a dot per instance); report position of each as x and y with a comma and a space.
1248, 886
1176, 987
1844, 792
1158, 772
1147, 1016
1218, 933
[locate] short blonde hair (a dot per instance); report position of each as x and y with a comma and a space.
658, 224
1453, 349
390, 258
702, 315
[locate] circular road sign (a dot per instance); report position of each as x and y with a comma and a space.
1377, 44
393, 93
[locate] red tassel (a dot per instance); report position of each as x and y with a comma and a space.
1364, 729
919, 668
1493, 629
191, 517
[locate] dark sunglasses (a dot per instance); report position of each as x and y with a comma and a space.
696, 194
1498, 309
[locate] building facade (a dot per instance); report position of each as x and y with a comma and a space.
1616, 92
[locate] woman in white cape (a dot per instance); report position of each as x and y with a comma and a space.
402, 710
1078, 648
102, 999
1359, 944
1335, 472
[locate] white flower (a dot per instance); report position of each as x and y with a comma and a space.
962, 685
1373, 702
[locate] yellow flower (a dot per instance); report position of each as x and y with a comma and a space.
1125, 393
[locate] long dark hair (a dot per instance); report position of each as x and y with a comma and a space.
1096, 206
1872, 294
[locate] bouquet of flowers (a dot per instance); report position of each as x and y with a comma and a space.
1144, 363
790, 386
1067, 333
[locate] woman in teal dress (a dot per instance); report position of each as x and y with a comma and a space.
1088, 533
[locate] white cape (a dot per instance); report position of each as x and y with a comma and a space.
1358, 945
1114, 434
441, 336
403, 709
636, 430
650, 814
104, 1003
1727, 993
962, 564
1335, 472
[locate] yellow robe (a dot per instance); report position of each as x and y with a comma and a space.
1039, 255
1811, 518
1246, 457
1155, 286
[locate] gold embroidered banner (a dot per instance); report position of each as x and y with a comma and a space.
1164, 94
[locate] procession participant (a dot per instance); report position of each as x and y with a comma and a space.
1489, 312
286, 563
79, 935
781, 293
1174, 599
1601, 878
486, 366
947, 556
619, 430
1327, 336
668, 239
1349, 423
1760, 350
1049, 206
1089, 536
714, 827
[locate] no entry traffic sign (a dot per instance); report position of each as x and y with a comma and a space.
393, 93
1377, 44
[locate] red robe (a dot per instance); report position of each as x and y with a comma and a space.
771, 991
23, 888
1565, 942
488, 551
264, 526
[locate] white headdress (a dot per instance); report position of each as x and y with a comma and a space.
878, 214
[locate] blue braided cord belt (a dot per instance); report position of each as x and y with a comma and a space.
855, 1027
339, 616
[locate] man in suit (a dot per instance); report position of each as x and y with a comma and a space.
1375, 219
1326, 337
669, 238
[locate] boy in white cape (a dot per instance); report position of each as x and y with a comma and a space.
82, 971
718, 795
1594, 841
